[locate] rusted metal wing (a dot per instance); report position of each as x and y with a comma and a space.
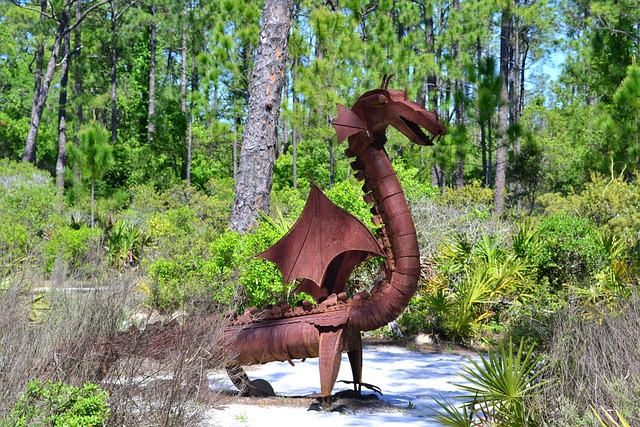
323, 247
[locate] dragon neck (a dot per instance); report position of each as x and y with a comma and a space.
390, 296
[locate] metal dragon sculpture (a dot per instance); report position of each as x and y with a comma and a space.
326, 244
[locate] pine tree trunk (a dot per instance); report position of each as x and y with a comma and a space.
294, 124
503, 115
183, 96
61, 162
151, 115
459, 111
113, 74
40, 95
257, 155
93, 191
77, 74
29, 154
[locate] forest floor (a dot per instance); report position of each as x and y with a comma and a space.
411, 379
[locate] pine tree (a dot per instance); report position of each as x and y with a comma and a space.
255, 175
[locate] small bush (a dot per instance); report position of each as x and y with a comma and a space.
472, 194
61, 405
71, 246
28, 212
569, 252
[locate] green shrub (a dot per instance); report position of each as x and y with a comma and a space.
472, 194
612, 203
414, 189
467, 295
61, 405
14, 240
28, 212
27, 197
570, 250
73, 246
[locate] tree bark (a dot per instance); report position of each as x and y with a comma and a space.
257, 154
186, 167
294, 124
29, 154
61, 161
39, 102
114, 74
151, 114
77, 75
458, 111
503, 115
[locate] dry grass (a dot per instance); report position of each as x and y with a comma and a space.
156, 374
595, 362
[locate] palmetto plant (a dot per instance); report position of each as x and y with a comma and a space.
125, 243
473, 278
498, 389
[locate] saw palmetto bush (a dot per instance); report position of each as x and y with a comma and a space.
475, 280
125, 243
498, 390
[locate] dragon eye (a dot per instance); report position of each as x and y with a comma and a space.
382, 99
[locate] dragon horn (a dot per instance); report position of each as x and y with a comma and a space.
383, 83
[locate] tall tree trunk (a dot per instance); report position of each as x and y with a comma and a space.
432, 81
93, 192
40, 99
61, 162
503, 115
257, 156
151, 115
458, 111
186, 173
514, 99
294, 124
190, 118
485, 165
483, 134
236, 126
77, 75
114, 73
29, 154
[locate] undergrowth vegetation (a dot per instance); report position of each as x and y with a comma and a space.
553, 294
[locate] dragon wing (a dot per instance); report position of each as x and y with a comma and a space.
322, 232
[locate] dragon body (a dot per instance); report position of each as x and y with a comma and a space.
334, 325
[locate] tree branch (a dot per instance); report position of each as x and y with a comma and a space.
38, 11
84, 15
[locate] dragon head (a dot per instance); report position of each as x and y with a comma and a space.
377, 109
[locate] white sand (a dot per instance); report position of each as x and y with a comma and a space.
410, 383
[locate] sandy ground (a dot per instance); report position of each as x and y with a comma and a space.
410, 382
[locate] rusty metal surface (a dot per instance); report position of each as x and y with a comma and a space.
326, 243
323, 247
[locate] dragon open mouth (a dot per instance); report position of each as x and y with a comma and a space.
417, 129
